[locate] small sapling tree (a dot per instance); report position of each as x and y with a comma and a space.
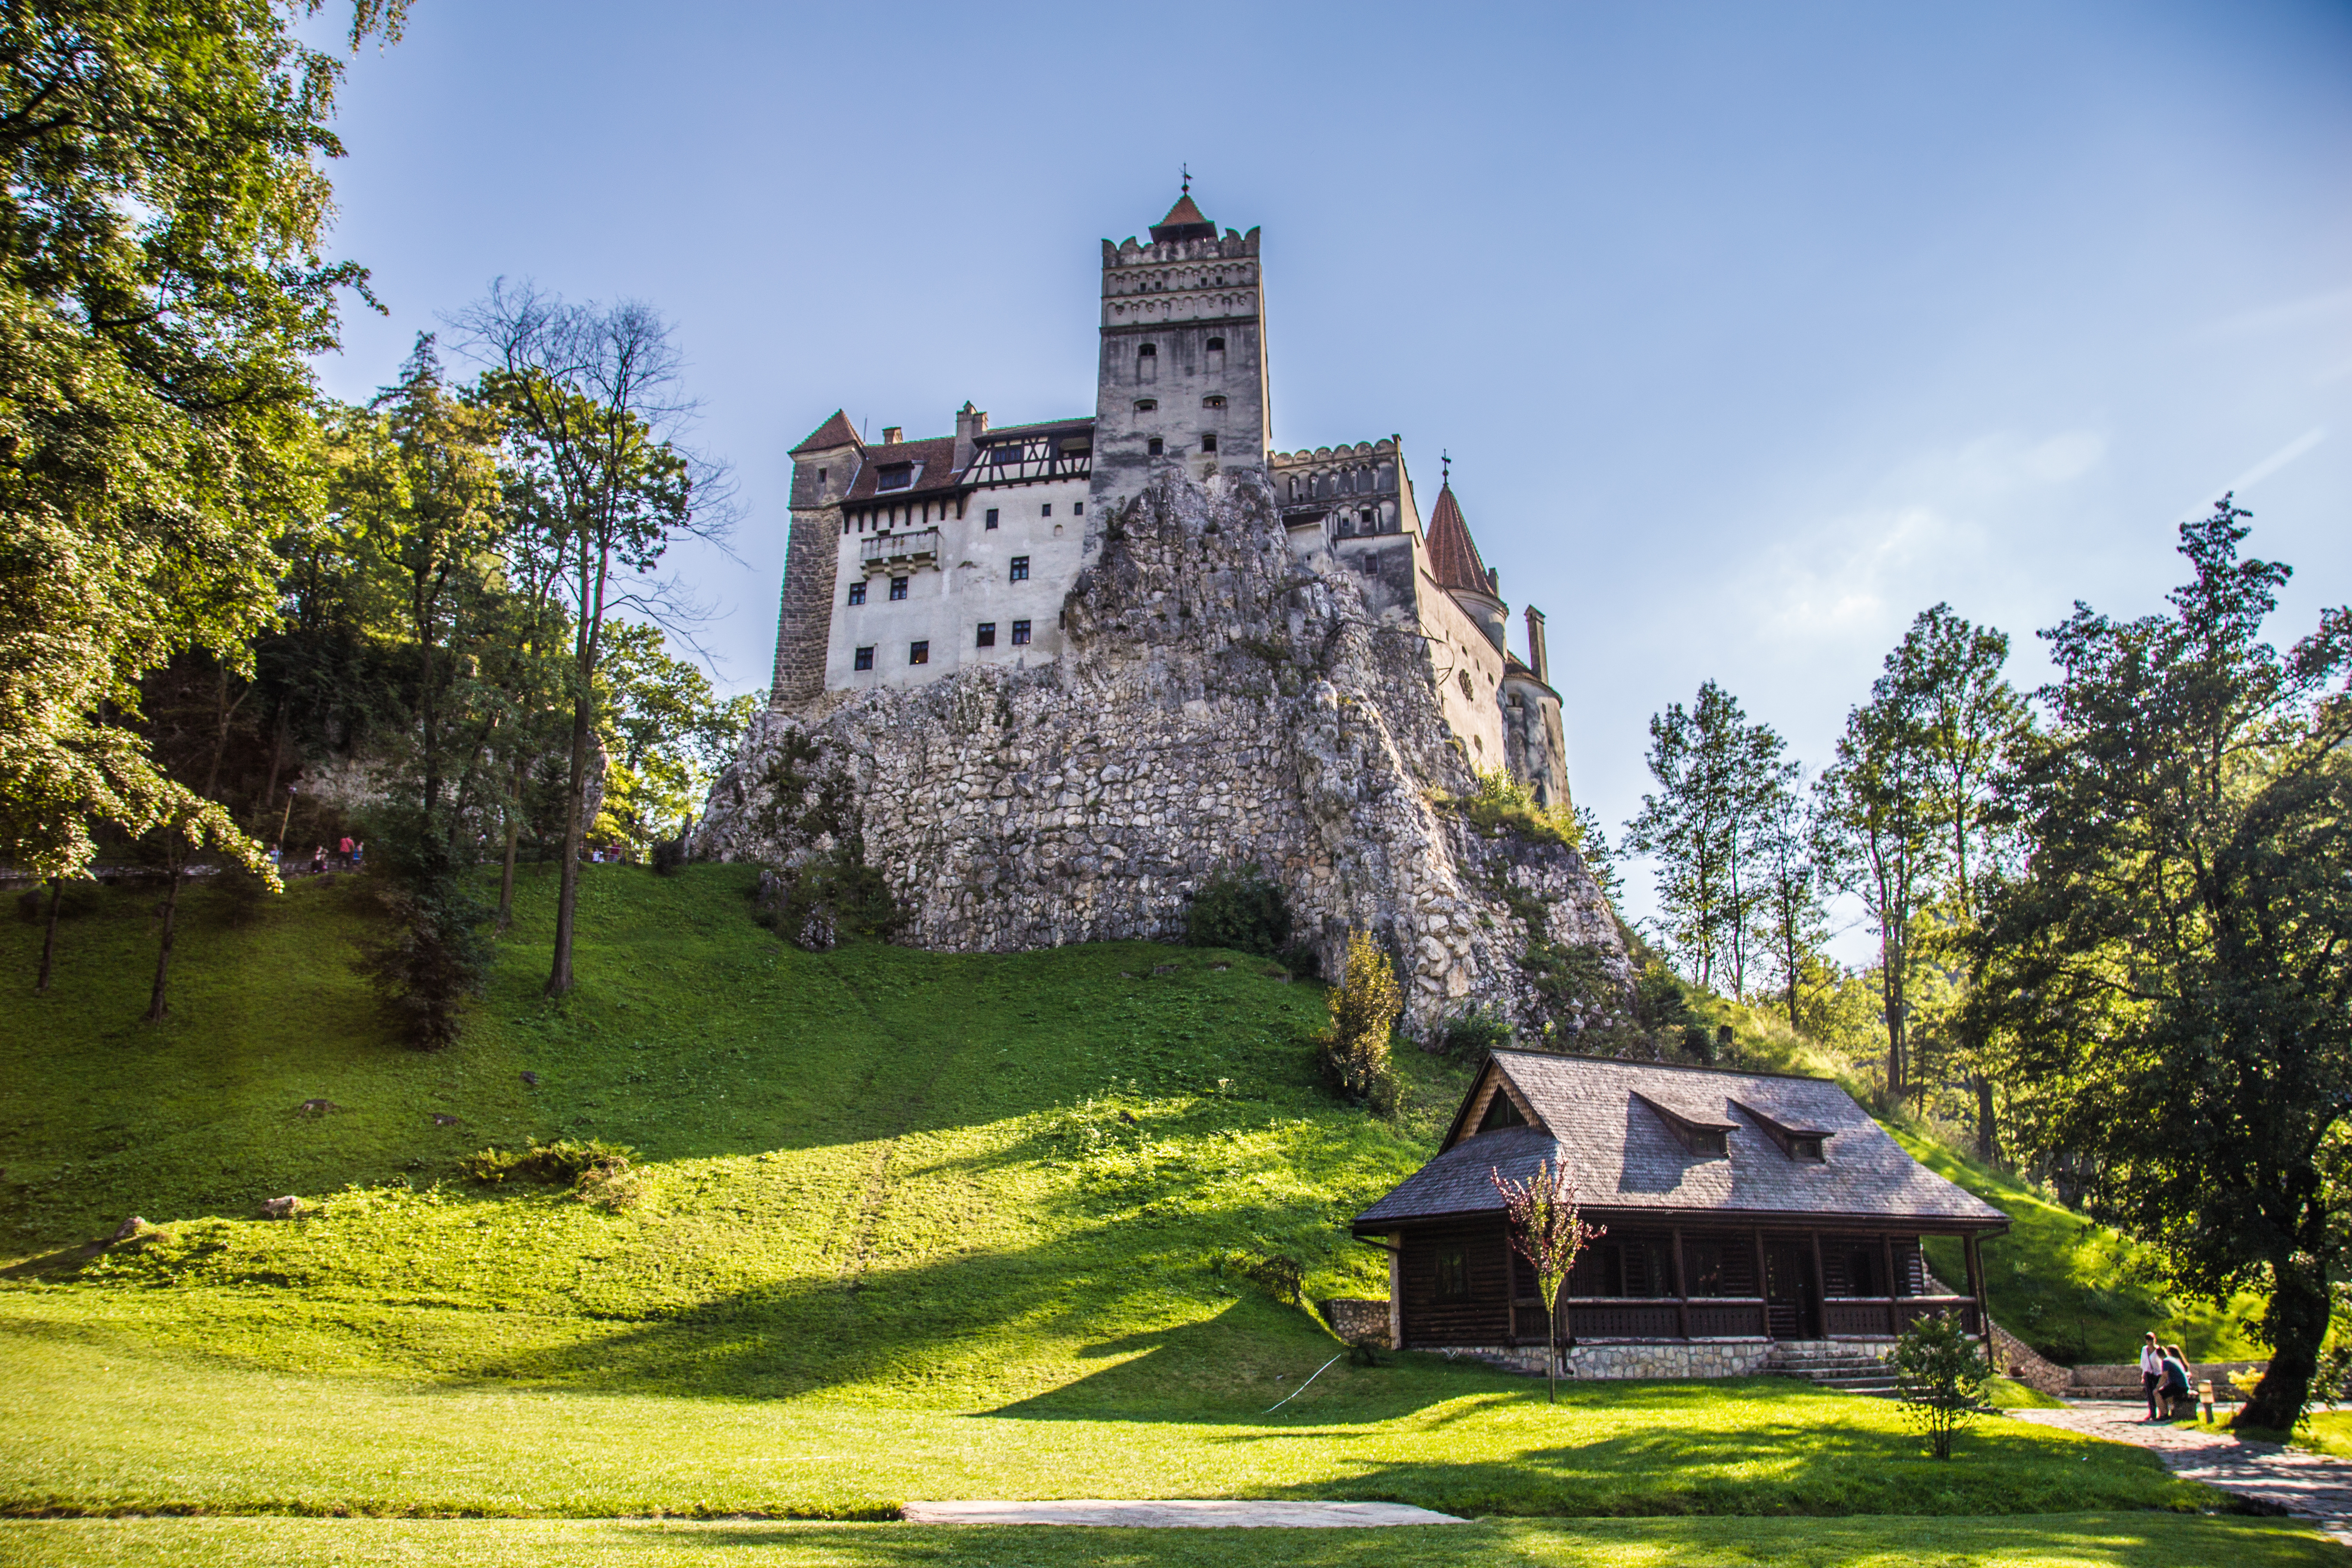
1364, 1008
1547, 1229
1940, 1375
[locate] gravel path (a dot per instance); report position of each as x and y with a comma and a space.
1163, 1515
2308, 1486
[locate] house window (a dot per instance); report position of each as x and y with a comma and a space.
1213, 400
897, 587
1208, 440
1453, 1272
1020, 633
1805, 1148
1708, 1141
1152, 449
919, 653
991, 516
1021, 569
1046, 510
893, 476
865, 660
1705, 1270
1503, 1111
987, 635
1147, 404
857, 592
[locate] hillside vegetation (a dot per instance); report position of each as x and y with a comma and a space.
900, 1225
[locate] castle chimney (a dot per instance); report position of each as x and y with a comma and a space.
1538, 659
970, 424
893, 434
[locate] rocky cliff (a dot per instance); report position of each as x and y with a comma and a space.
1221, 704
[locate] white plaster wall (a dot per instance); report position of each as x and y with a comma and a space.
1458, 646
969, 582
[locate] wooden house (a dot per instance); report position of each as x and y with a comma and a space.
1742, 1209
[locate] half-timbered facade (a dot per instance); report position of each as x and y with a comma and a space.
1741, 1210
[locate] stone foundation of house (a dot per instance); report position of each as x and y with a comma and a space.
1678, 1359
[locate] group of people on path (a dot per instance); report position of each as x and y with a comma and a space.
2163, 1373
348, 856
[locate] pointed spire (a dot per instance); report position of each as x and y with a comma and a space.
1184, 220
1454, 557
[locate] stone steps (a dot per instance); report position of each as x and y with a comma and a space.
1833, 1365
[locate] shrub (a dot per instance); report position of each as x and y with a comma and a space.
1573, 979
1502, 804
1276, 1272
831, 896
1698, 1044
431, 965
1243, 909
1471, 1033
669, 854
1940, 1375
565, 1159
1354, 1050
1660, 998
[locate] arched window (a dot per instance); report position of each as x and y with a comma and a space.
1147, 362
1213, 400
1146, 405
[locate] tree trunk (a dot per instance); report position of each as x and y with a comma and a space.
567, 897
426, 726
157, 1008
50, 938
1987, 1128
2295, 1325
506, 872
1551, 1355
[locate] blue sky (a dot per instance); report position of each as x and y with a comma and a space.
1752, 329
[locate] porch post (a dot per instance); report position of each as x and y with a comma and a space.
1976, 1281
1510, 1289
1894, 1314
1763, 1298
1821, 1291
1396, 1289
1682, 1294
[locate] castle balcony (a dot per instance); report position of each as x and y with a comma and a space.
916, 547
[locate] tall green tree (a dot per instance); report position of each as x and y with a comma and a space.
1880, 840
2169, 978
161, 284
591, 399
1795, 923
1716, 774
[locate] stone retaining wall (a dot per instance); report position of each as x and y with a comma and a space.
1679, 1360
1358, 1320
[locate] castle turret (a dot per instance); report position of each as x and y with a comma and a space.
1454, 562
824, 467
1182, 375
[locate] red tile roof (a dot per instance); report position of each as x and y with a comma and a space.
1453, 557
834, 432
936, 469
1184, 221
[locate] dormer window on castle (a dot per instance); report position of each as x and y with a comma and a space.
893, 476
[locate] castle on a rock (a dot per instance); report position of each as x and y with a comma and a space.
911, 560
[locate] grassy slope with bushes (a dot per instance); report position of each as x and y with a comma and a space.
907, 1224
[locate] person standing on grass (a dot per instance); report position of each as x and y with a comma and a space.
2151, 1370
345, 850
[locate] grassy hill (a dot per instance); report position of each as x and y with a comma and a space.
907, 1224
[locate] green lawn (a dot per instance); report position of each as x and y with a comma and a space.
2065, 1541
912, 1226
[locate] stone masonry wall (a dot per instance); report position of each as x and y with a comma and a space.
1220, 703
1677, 1359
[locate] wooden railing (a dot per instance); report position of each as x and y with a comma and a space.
1883, 1317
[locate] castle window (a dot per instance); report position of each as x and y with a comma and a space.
1046, 510
1020, 633
987, 635
919, 653
1208, 440
819, 475
858, 592
1077, 508
1021, 569
1466, 690
865, 660
1153, 448
1216, 345
991, 516
1147, 404
1214, 400
893, 476
1147, 362
897, 587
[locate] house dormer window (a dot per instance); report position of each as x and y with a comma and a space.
1806, 1145
1501, 1111
1702, 1135
893, 476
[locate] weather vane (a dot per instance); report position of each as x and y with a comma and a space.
1186, 170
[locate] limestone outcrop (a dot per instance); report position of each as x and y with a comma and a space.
1221, 703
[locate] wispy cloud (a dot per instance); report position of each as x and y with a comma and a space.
2285, 313
2279, 460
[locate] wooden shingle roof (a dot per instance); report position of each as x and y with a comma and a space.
1600, 1120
